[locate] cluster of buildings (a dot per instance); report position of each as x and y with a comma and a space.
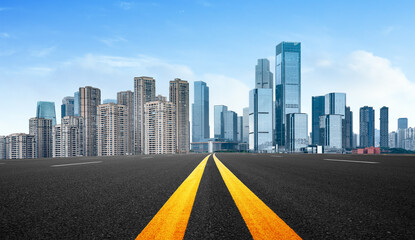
141, 122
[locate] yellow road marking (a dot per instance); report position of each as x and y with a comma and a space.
262, 222
171, 220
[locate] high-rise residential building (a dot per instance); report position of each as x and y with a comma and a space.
318, 109
393, 139
144, 91
402, 123
2, 147
240, 129
112, 129
384, 127
348, 129
200, 112
230, 126
76, 104
68, 137
219, 121
41, 129
67, 107
89, 99
296, 132
260, 120
126, 98
179, 96
263, 75
331, 132
367, 127
46, 110
245, 137
20, 146
288, 85
160, 127
108, 100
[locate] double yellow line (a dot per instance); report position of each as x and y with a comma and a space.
171, 220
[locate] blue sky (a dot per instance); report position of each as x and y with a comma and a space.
48, 49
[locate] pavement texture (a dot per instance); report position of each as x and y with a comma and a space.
318, 196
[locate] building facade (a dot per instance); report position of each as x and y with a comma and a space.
89, 99
288, 85
69, 137
263, 76
200, 112
2, 147
402, 123
126, 98
144, 91
160, 127
348, 129
384, 127
318, 109
245, 121
67, 107
179, 96
76, 104
230, 126
41, 129
20, 146
219, 121
297, 132
367, 127
46, 110
331, 132
260, 120
240, 128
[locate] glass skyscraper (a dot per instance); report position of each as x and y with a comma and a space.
318, 109
76, 104
263, 76
335, 103
367, 127
260, 120
288, 85
297, 132
67, 107
384, 127
46, 110
219, 120
402, 123
200, 112
331, 131
230, 126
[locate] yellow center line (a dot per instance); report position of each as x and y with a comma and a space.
262, 222
171, 220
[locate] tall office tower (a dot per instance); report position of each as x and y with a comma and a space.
200, 112
230, 126
76, 104
355, 140
67, 107
240, 128
335, 103
384, 127
367, 127
179, 96
402, 123
219, 120
245, 125
20, 146
348, 129
331, 131
2, 147
112, 129
46, 110
260, 120
297, 132
41, 128
89, 99
288, 85
68, 137
318, 109
144, 91
126, 98
160, 127
105, 101
263, 76
393, 136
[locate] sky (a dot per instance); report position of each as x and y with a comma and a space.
48, 49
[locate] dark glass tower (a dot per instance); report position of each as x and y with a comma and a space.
384, 127
200, 112
318, 106
46, 110
367, 127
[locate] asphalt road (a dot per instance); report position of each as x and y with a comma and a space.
318, 196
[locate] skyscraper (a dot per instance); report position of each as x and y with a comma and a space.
318, 109
240, 128
335, 103
160, 127
144, 91
260, 120
2, 147
263, 76
200, 112
67, 107
331, 131
112, 129
126, 98
46, 110
245, 125
76, 104
297, 132
89, 99
219, 121
68, 137
41, 129
179, 96
402, 123
384, 127
367, 127
288, 85
348, 129
20, 146
230, 126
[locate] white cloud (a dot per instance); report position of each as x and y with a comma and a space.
110, 42
126, 5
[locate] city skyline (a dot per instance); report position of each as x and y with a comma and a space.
110, 59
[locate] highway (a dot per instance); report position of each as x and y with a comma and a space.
197, 196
